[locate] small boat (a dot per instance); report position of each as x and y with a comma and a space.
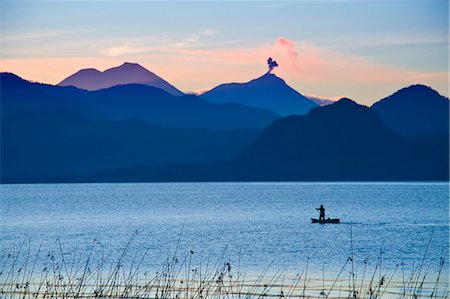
335, 220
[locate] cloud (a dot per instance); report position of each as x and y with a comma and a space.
315, 70
155, 43
208, 32
194, 39
53, 70
318, 65
123, 50
318, 70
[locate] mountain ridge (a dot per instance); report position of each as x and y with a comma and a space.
92, 79
344, 141
120, 102
57, 142
132, 125
268, 92
414, 111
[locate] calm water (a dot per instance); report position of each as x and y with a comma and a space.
257, 223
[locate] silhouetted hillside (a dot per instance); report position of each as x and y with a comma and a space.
92, 79
340, 142
269, 92
415, 111
131, 101
156, 106
40, 143
18, 94
131, 133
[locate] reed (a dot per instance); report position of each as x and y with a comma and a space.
180, 278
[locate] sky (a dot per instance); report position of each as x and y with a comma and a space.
364, 50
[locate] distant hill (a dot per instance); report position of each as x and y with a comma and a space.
60, 142
269, 92
122, 102
137, 132
92, 79
18, 94
320, 101
156, 106
415, 111
340, 142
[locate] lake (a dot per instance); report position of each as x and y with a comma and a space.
254, 225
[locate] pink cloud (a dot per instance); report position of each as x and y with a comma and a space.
318, 65
53, 70
315, 70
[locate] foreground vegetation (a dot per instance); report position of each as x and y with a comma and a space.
180, 278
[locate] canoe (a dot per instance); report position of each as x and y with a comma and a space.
336, 220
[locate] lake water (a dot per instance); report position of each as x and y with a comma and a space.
253, 224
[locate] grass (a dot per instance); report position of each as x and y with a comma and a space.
180, 278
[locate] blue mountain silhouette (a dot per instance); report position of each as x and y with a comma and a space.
128, 133
18, 94
92, 79
132, 101
342, 141
339, 142
269, 92
415, 111
52, 130
156, 106
59, 142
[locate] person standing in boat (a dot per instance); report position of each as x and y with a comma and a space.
322, 212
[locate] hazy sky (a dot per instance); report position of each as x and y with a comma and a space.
364, 50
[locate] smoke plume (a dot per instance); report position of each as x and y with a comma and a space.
271, 63
290, 47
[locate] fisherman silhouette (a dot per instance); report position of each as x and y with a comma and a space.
322, 212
